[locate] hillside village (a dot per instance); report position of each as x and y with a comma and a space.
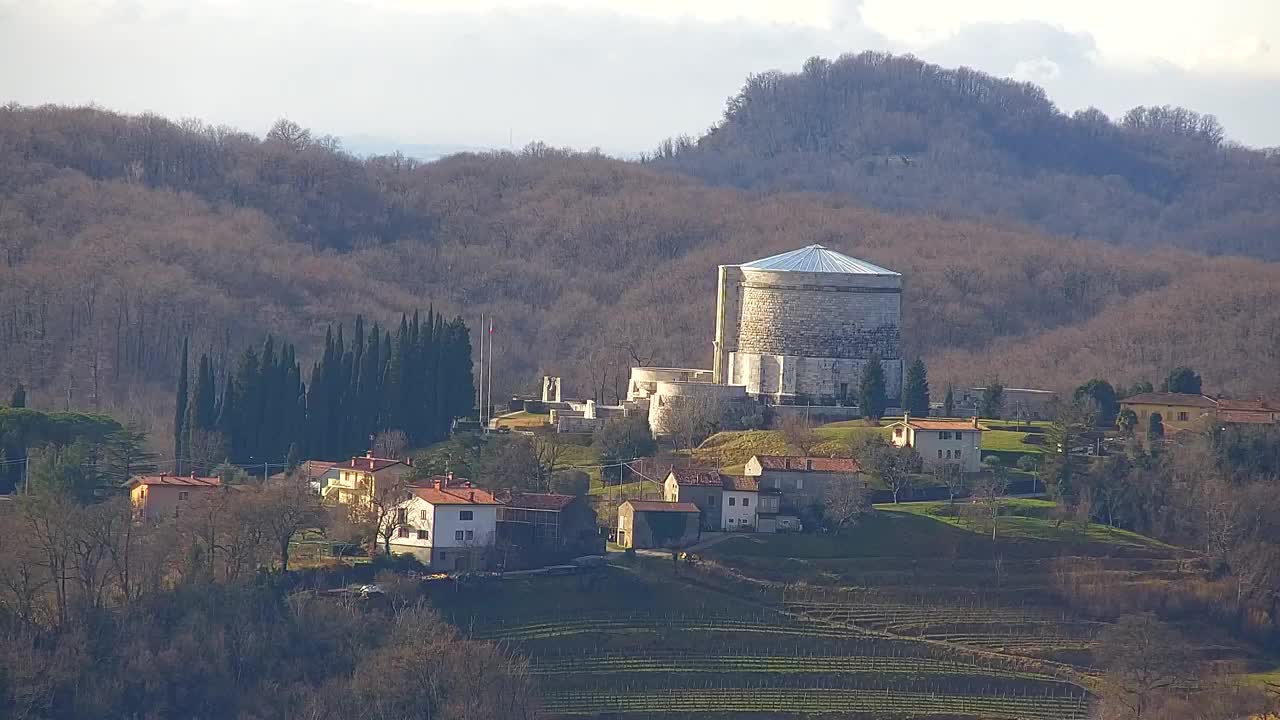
993, 545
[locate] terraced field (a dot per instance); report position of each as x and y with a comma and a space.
814, 701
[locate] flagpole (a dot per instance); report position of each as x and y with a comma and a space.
480, 377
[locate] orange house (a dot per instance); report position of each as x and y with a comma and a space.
158, 497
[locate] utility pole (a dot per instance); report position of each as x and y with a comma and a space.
489, 389
480, 377
26, 473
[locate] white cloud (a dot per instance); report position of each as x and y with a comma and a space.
611, 73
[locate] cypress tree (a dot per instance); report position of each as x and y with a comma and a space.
915, 393
180, 414
949, 403
872, 390
19, 397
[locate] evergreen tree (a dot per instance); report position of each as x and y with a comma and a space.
1103, 396
915, 393
1182, 380
992, 400
872, 390
949, 403
180, 414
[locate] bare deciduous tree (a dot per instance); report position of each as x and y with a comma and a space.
799, 433
847, 499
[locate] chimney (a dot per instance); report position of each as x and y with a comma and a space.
439, 483
448, 477
193, 474
975, 422
369, 453
471, 496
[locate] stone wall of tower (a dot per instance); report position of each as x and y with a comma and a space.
820, 315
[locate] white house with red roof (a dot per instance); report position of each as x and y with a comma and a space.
942, 441
448, 525
159, 497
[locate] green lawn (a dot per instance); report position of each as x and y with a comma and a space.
1007, 441
522, 420
1030, 519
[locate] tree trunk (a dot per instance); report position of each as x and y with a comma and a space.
284, 555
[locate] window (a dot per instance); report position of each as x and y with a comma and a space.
746, 502
939, 453
471, 534
1182, 416
457, 534
424, 515
402, 515
402, 532
948, 454
957, 453
799, 483
844, 390
732, 501
464, 514
422, 535
944, 436
182, 494
711, 499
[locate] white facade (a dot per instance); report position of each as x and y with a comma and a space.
739, 510
959, 444
445, 537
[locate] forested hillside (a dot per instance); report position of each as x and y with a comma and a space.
900, 134
120, 236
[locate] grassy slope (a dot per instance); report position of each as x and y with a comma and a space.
730, 450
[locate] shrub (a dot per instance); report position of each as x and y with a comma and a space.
991, 461
1028, 463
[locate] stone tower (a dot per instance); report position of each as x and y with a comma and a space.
799, 327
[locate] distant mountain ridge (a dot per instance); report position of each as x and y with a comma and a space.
900, 134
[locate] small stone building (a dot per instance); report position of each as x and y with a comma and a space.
801, 481
655, 524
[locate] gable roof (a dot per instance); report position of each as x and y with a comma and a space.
659, 506
1258, 405
1246, 417
453, 495
371, 464
190, 481
940, 424
1172, 399
817, 259
540, 501
741, 484
802, 463
697, 477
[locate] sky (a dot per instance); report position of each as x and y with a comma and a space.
618, 75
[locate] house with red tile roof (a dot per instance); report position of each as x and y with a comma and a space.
942, 441
161, 497
792, 485
447, 524
656, 524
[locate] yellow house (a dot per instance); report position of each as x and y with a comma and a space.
1177, 411
361, 479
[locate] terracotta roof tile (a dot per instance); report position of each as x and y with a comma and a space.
741, 484
796, 463
1161, 398
659, 506
175, 480
941, 424
1247, 417
695, 476
370, 464
1250, 405
453, 495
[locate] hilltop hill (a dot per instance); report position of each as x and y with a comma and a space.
903, 135
120, 235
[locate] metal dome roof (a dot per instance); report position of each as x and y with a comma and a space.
817, 259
